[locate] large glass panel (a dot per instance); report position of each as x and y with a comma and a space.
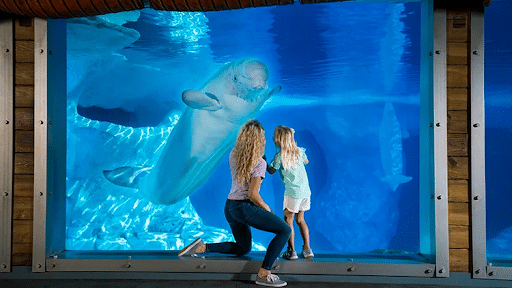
498, 132
350, 82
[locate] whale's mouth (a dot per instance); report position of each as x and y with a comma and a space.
254, 94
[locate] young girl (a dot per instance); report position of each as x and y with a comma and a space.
290, 161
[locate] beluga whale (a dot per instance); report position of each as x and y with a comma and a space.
390, 140
205, 132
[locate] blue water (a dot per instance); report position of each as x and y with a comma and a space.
338, 65
498, 132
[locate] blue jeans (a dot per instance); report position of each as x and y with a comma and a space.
242, 215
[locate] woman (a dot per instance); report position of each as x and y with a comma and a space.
245, 208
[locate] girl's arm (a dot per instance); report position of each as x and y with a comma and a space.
254, 193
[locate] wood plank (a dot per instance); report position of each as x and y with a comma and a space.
24, 163
458, 214
457, 122
457, 30
457, 98
21, 255
458, 191
457, 144
24, 28
24, 51
23, 185
458, 168
24, 119
23, 141
459, 236
457, 53
24, 74
461, 13
23, 208
22, 231
459, 260
24, 96
457, 76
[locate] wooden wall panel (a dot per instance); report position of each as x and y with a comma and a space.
459, 237
457, 98
457, 77
24, 96
23, 184
458, 191
459, 260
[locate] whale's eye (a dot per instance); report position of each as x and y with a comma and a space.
234, 77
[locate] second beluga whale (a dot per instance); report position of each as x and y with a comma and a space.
390, 140
205, 132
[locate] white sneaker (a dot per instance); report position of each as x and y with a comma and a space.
271, 280
191, 248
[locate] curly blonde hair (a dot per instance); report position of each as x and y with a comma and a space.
249, 148
283, 139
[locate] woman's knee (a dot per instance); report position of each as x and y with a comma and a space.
243, 250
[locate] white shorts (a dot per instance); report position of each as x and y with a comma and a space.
296, 205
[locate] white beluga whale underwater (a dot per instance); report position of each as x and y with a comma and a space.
205, 132
390, 141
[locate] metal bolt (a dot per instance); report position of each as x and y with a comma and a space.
128, 265
438, 124
41, 122
40, 193
7, 50
428, 271
39, 266
491, 273
53, 265
438, 52
477, 271
476, 198
6, 121
6, 194
202, 266
441, 271
440, 197
4, 266
475, 52
351, 269
476, 125
41, 51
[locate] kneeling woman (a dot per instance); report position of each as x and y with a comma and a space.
245, 208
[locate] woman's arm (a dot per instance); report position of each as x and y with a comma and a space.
254, 193
271, 170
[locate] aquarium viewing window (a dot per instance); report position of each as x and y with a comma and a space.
492, 194
352, 92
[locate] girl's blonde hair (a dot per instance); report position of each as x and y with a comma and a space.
249, 148
283, 139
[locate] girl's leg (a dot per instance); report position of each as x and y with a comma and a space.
288, 217
304, 230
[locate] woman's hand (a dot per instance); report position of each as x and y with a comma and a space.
254, 193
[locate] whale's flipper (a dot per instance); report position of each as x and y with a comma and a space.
199, 100
274, 91
126, 176
395, 180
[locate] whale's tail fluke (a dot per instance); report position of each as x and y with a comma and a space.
395, 180
127, 176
